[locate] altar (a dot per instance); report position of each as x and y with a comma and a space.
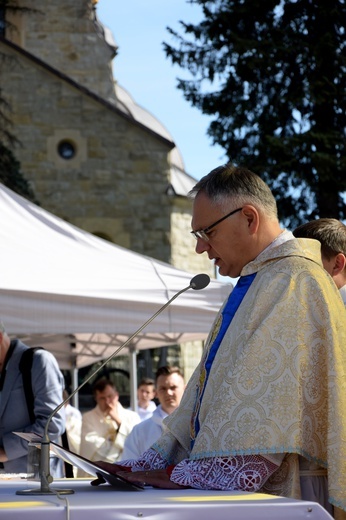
106, 503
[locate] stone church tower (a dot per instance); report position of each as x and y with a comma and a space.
92, 155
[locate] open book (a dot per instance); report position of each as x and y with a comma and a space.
86, 465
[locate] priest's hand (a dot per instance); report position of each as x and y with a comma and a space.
113, 469
157, 478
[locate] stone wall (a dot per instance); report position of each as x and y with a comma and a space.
116, 183
66, 35
120, 170
183, 242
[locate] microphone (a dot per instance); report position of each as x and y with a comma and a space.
200, 281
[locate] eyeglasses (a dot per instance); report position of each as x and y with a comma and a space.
203, 233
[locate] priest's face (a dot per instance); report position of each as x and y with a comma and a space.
228, 243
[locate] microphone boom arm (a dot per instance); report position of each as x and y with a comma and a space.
198, 282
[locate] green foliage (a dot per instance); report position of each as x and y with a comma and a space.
271, 74
11, 176
5, 121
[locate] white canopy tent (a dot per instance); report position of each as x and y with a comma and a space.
80, 296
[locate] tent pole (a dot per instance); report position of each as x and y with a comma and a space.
133, 378
74, 385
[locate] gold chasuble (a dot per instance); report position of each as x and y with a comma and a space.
277, 382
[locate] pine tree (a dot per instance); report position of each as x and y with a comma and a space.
271, 74
10, 173
11, 176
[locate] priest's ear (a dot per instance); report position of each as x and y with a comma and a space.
339, 264
252, 217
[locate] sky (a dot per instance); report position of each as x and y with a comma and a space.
141, 67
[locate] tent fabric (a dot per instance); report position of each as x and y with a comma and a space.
62, 284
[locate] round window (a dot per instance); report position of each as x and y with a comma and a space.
66, 150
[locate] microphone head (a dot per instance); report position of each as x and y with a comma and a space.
199, 281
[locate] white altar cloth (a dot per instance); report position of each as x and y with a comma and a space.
105, 503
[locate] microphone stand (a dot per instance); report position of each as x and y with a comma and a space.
200, 281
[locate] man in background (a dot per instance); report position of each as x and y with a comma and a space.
169, 391
105, 427
331, 233
47, 384
73, 424
145, 396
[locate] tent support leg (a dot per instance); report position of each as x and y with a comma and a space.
133, 378
74, 385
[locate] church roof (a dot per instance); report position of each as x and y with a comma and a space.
181, 183
140, 114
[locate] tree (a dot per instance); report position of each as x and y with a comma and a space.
10, 174
272, 75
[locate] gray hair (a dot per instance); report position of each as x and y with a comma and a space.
2, 327
240, 185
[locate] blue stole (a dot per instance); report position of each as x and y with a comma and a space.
228, 312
